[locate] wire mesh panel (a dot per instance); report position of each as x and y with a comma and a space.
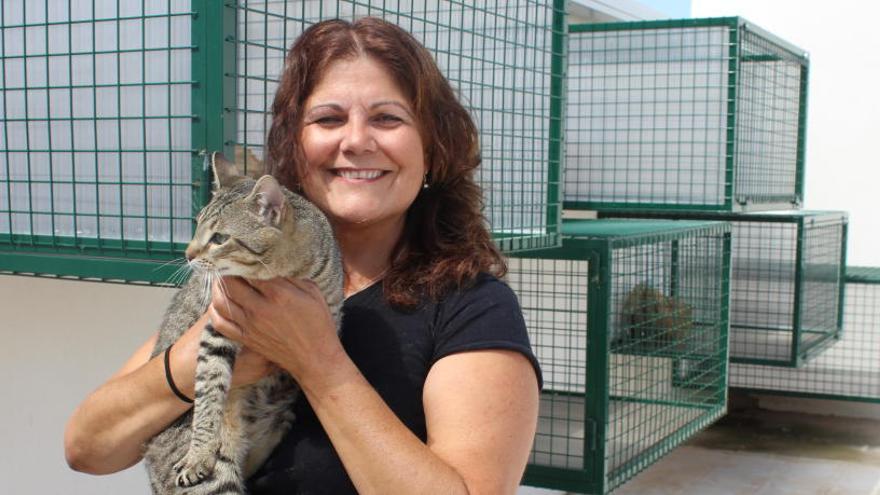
629, 322
849, 370
109, 106
95, 136
698, 114
504, 58
786, 284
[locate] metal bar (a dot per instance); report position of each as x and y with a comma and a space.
802, 134
558, 63
841, 298
87, 267
732, 97
70, 21
799, 262
599, 318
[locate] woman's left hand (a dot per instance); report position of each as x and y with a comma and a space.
284, 319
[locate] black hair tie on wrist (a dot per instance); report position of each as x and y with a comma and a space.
170, 380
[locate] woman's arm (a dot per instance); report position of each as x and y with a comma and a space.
480, 406
106, 432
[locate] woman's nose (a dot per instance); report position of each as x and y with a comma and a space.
358, 137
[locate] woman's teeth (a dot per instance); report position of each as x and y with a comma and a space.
359, 174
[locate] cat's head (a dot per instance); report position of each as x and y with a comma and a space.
240, 230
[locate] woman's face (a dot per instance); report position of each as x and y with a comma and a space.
364, 154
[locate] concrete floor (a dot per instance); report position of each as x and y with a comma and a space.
758, 451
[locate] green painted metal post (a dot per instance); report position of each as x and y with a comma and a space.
802, 133
558, 64
598, 353
732, 98
213, 68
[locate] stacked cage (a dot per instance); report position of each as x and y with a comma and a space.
108, 109
787, 284
705, 119
629, 322
849, 370
692, 115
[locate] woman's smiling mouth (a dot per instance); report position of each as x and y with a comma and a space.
358, 174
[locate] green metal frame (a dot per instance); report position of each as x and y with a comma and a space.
797, 344
214, 95
604, 385
737, 194
849, 370
76, 254
218, 31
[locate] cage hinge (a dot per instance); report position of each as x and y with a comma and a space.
591, 431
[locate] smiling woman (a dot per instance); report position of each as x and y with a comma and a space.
431, 385
370, 97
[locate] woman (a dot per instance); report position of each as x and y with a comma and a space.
432, 386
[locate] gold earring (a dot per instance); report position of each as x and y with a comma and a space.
425, 184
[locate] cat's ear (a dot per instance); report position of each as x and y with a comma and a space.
226, 174
270, 200
246, 160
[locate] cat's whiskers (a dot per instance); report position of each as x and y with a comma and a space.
179, 276
175, 260
224, 291
271, 272
208, 281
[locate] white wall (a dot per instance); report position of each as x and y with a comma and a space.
61, 339
843, 128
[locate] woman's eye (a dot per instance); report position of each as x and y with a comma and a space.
328, 121
218, 238
388, 119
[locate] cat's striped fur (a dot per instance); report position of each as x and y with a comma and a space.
257, 230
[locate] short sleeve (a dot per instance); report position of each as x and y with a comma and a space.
484, 316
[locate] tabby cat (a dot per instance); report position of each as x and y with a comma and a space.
653, 319
258, 230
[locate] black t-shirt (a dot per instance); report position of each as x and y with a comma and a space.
394, 350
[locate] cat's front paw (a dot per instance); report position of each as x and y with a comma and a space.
194, 468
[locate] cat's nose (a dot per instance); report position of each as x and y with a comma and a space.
190, 254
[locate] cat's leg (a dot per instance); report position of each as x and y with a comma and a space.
213, 378
270, 414
227, 477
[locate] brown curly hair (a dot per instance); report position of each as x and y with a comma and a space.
445, 242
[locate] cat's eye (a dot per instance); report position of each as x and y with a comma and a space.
218, 238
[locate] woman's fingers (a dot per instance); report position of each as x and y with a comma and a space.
306, 286
225, 313
225, 325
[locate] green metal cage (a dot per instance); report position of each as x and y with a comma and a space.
696, 114
108, 107
848, 371
95, 139
787, 285
629, 323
